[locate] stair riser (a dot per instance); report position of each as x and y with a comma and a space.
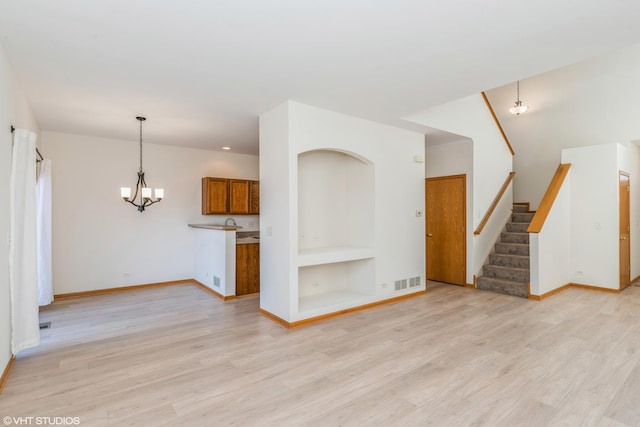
514, 238
520, 209
520, 290
517, 227
509, 261
512, 249
506, 273
521, 217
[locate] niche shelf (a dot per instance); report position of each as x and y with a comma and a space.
327, 255
333, 287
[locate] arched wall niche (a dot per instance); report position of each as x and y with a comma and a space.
336, 191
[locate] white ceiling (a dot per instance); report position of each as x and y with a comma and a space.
202, 71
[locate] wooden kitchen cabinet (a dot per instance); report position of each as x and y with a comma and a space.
254, 197
215, 196
238, 196
247, 268
230, 196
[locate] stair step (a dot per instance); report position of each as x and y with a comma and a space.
517, 227
507, 273
503, 286
517, 261
522, 216
520, 208
510, 237
512, 248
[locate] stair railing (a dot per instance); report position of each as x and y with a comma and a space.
549, 198
495, 119
495, 202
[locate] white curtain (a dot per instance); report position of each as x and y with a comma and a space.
43, 213
23, 283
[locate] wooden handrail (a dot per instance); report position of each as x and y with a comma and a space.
549, 197
495, 202
495, 119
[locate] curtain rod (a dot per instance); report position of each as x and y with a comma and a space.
40, 158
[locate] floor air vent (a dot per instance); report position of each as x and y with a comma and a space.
45, 325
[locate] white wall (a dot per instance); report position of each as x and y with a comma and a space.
98, 238
277, 213
492, 159
590, 103
14, 110
594, 215
215, 256
492, 162
454, 158
398, 235
634, 160
550, 252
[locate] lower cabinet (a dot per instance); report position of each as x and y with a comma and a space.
247, 268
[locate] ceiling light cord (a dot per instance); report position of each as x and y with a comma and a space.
518, 108
141, 119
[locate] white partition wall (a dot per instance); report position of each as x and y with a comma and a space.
339, 225
594, 215
491, 163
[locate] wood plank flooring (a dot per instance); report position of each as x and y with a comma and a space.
177, 356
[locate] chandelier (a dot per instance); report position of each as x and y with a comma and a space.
141, 186
518, 108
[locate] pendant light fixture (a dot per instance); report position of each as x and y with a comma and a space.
518, 108
141, 186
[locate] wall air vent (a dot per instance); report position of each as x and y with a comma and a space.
414, 282
401, 284
216, 281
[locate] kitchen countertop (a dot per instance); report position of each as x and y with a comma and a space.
242, 237
215, 227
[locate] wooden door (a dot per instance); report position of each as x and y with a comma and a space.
624, 189
445, 200
238, 196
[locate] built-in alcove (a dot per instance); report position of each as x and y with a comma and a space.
335, 200
336, 265
335, 286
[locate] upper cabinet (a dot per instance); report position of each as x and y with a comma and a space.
215, 195
238, 196
254, 197
230, 196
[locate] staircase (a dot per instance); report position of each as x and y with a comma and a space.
507, 269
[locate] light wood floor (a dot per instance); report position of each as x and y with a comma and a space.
454, 357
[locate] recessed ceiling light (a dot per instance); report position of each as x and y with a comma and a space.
226, 148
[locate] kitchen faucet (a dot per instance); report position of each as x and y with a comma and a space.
233, 222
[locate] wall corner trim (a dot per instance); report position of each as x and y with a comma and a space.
310, 320
122, 289
213, 292
7, 372
572, 285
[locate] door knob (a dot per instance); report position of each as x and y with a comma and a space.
429, 235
